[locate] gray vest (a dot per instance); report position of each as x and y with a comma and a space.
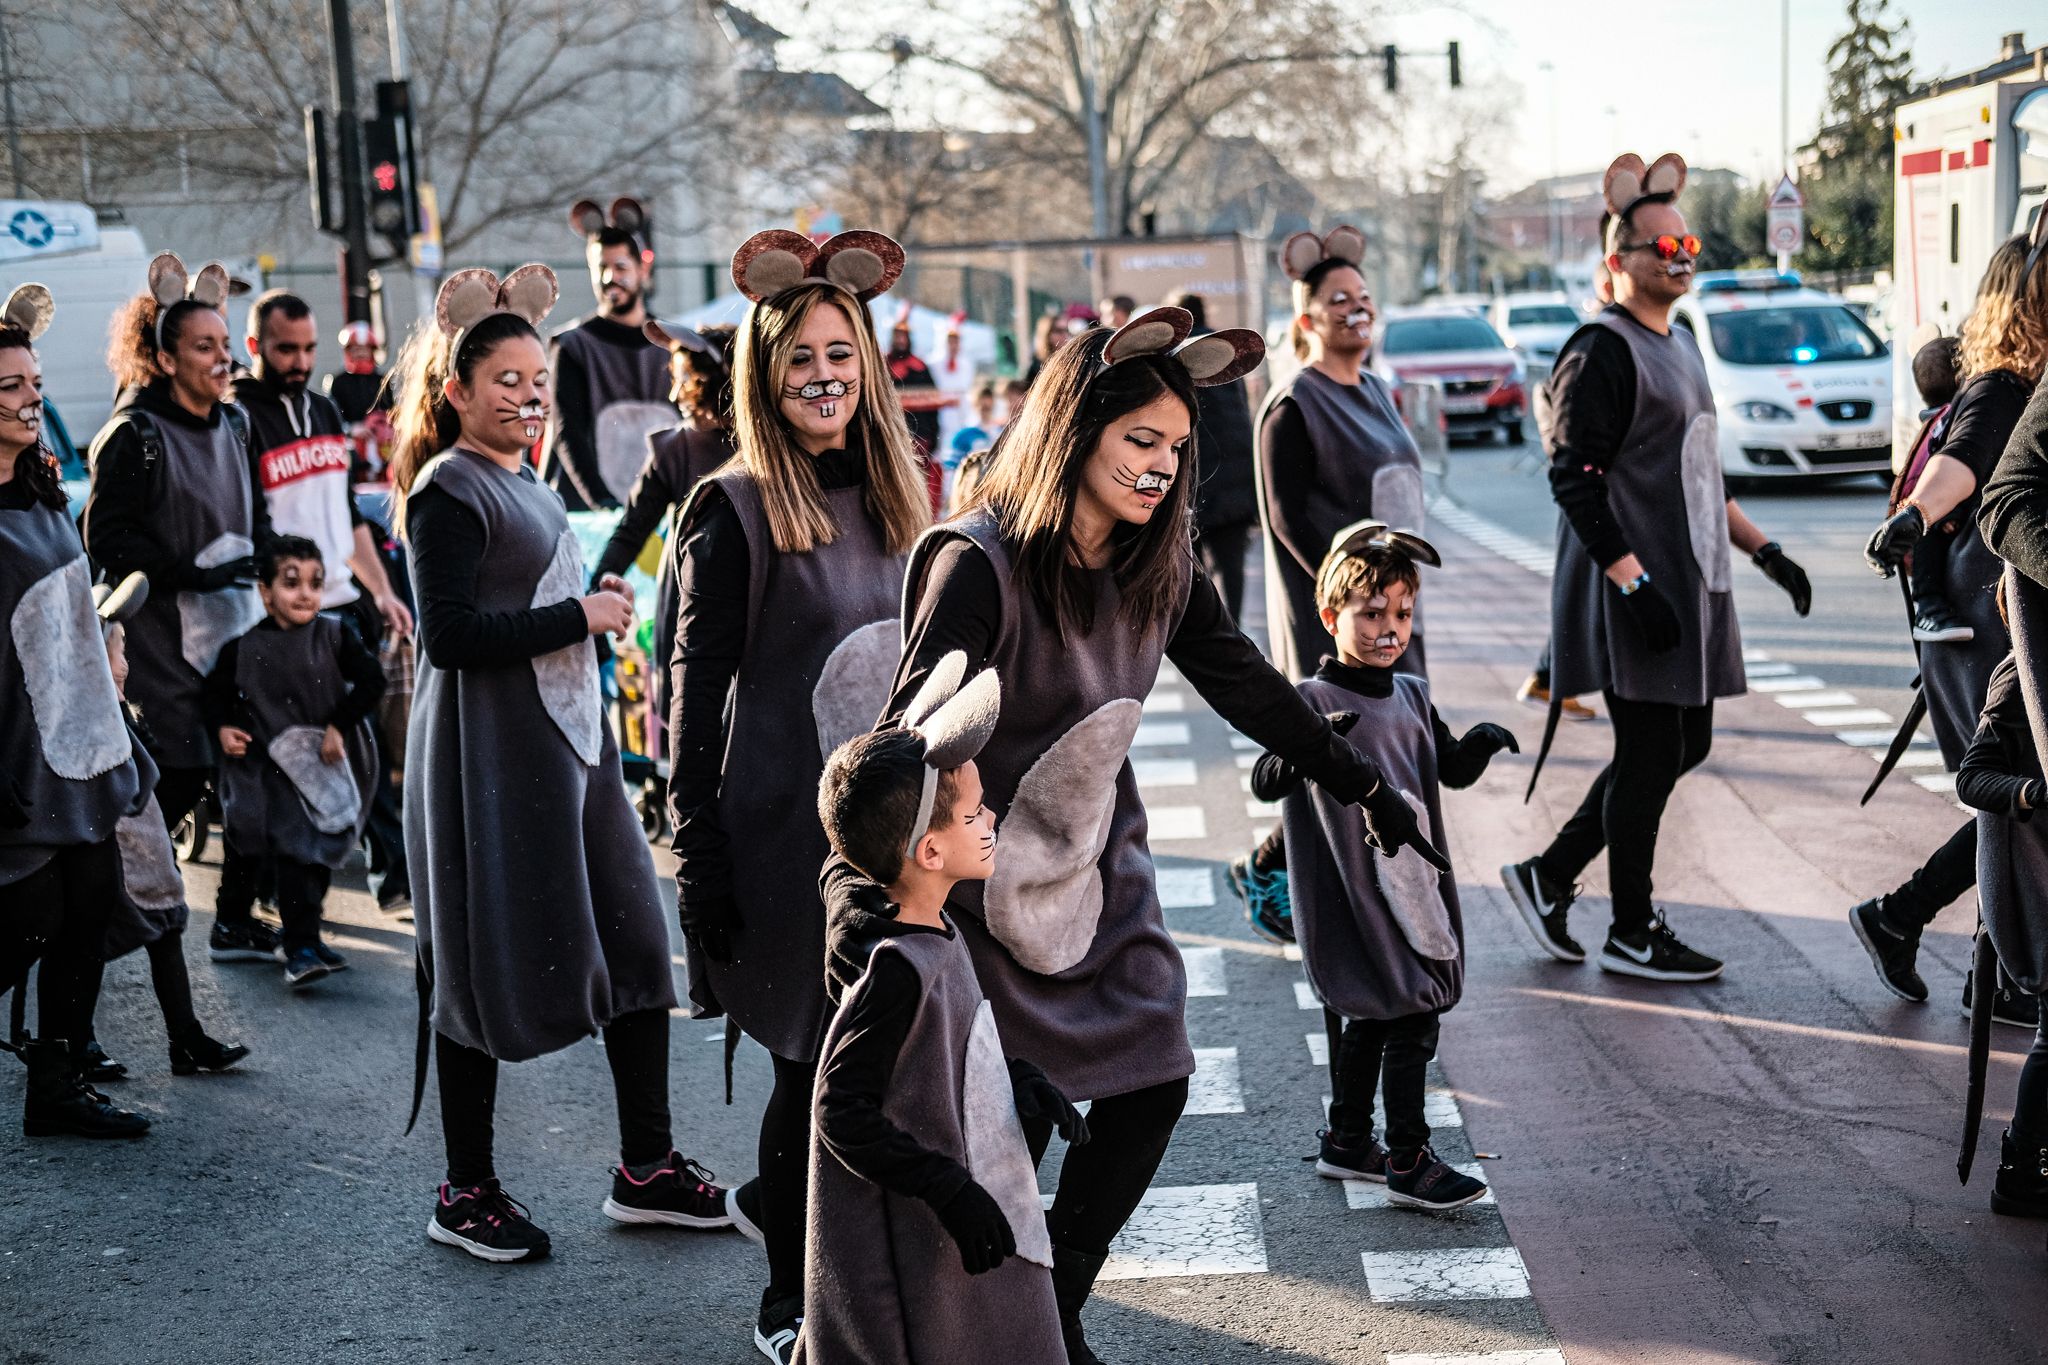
822, 644
1068, 936
1664, 487
539, 917
883, 1283
628, 402
1381, 938
691, 455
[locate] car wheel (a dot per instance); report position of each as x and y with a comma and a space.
191, 835
1515, 435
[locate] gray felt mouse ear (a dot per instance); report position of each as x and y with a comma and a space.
30, 309
211, 285
1220, 357
1301, 254
530, 291
1415, 547
1155, 331
939, 686
167, 278
956, 732
627, 215
1666, 175
865, 264
1344, 243
466, 298
586, 219
1623, 183
1351, 539
769, 262
116, 604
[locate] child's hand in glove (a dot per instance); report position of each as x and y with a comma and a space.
979, 1227
1039, 1098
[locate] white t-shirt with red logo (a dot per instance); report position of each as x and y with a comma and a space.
305, 481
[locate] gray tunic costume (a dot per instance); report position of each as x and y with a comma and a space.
1366, 465
1665, 489
1381, 938
625, 400
538, 913
883, 1283
1068, 937
66, 761
282, 799
822, 643
681, 456
1954, 674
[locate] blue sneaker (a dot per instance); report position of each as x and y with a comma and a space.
1266, 905
303, 968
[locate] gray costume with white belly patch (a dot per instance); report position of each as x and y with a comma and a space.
539, 917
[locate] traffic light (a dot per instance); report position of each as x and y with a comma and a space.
1392, 56
1457, 74
388, 168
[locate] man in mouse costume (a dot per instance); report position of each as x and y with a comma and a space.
610, 381
1642, 603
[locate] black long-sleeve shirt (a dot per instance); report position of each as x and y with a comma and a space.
2001, 761
1458, 764
1289, 460
661, 486
1593, 401
448, 543
224, 703
2014, 512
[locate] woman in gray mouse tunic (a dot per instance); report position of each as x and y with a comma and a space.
1073, 572
540, 922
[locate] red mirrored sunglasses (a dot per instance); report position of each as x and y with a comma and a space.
1668, 246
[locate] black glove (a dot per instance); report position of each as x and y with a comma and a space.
1390, 825
1652, 613
709, 923
226, 575
13, 814
1890, 543
1342, 721
1039, 1098
979, 1227
2033, 796
1489, 739
1780, 569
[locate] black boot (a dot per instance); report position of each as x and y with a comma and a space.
2021, 1190
61, 1105
1073, 1275
94, 1065
193, 1052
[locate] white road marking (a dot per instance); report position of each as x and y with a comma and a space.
1441, 1276
1186, 888
1319, 1049
1364, 1194
1245, 743
1191, 1230
1261, 810
1165, 703
1879, 739
1851, 715
1768, 670
1547, 1356
1205, 971
1911, 758
1305, 997
1177, 822
1802, 683
1160, 734
1245, 760
1217, 1086
1291, 951
1164, 772
1800, 701
1936, 782
1439, 1110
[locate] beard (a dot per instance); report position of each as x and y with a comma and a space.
617, 300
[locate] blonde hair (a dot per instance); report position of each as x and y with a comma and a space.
2005, 330
1368, 573
799, 518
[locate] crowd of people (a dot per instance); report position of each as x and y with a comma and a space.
899, 676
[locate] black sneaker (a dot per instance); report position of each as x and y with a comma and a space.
743, 1206
1545, 909
1937, 623
1656, 954
335, 961
679, 1194
1365, 1160
487, 1223
195, 1052
776, 1332
1892, 953
2021, 1190
1267, 906
303, 968
2008, 1006
251, 942
1429, 1184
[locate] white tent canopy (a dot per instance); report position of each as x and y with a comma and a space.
927, 328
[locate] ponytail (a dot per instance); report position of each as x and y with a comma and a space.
131, 342
424, 422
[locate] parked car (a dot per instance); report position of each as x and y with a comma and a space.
1535, 325
1802, 383
1485, 384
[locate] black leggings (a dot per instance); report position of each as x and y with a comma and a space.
785, 1173
178, 790
300, 888
1655, 743
1223, 550
167, 973
2030, 1110
58, 914
1103, 1180
1948, 872
1392, 1056
635, 1044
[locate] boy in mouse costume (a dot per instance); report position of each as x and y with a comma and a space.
1642, 603
610, 381
926, 1241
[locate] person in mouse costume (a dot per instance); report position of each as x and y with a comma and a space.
540, 921
611, 380
1073, 567
927, 1241
789, 574
1642, 602
69, 771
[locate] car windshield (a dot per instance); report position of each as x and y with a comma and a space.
1792, 336
1543, 315
1407, 336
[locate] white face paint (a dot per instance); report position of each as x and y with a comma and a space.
829, 390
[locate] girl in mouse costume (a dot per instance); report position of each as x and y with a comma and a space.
1073, 567
540, 922
789, 570
68, 769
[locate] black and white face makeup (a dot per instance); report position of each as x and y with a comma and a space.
1137, 460
504, 406
1647, 274
1341, 314
21, 399
820, 390
619, 277
198, 363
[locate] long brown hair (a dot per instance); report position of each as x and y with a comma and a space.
2007, 329
799, 518
425, 423
35, 466
1035, 479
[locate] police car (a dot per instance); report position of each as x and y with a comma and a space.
1802, 383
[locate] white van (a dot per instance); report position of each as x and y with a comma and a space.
91, 270
1802, 384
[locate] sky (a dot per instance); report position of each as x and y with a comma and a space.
1700, 77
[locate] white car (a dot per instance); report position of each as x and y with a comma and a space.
1536, 325
1802, 384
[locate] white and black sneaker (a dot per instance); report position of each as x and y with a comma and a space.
1545, 909
1937, 623
253, 941
743, 1206
487, 1223
2009, 1005
1363, 1160
776, 1332
1656, 954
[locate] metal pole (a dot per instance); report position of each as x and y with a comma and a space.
355, 255
1098, 152
1020, 306
7, 80
1785, 85
394, 36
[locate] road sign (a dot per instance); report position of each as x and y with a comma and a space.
1785, 218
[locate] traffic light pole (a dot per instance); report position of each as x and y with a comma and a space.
355, 235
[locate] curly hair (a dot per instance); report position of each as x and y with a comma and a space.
705, 389
2007, 328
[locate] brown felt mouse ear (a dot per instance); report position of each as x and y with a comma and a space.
211, 286
1344, 243
167, 278
30, 309
769, 262
530, 292
1623, 183
1155, 331
117, 604
586, 219
627, 215
1300, 254
466, 297
1220, 357
1415, 547
865, 264
1666, 175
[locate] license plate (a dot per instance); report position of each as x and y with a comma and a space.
1855, 440
1462, 405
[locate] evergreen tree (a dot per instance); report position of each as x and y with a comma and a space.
1849, 193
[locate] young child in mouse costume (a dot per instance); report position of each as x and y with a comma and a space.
927, 1241
1382, 939
789, 577
540, 921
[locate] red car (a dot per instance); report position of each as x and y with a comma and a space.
1485, 385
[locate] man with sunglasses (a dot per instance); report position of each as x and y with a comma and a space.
1642, 607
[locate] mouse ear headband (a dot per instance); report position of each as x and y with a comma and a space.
865, 264
674, 336
1628, 183
29, 309
627, 215
954, 722
117, 604
1212, 358
1363, 537
169, 284
2037, 246
469, 296
1304, 251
